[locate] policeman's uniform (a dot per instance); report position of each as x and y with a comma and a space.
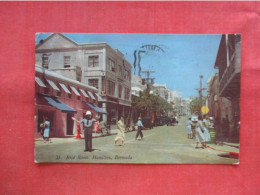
88, 128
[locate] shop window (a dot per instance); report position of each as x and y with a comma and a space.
119, 91
120, 71
93, 82
66, 61
93, 61
127, 75
111, 65
111, 87
127, 94
45, 61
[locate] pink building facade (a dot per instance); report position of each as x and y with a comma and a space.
60, 98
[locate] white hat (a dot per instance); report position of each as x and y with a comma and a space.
88, 113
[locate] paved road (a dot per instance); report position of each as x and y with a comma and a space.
165, 144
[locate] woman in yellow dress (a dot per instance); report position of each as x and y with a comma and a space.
121, 131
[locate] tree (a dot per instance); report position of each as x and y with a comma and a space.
195, 104
147, 102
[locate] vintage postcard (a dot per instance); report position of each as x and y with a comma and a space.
137, 98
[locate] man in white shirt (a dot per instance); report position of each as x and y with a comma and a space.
140, 127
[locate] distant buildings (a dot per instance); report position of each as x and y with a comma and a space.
136, 85
179, 104
160, 90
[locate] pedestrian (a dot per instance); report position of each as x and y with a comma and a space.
96, 126
139, 130
101, 126
42, 127
200, 133
88, 123
46, 133
120, 132
206, 125
193, 127
189, 132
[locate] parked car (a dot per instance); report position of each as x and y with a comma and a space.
159, 121
194, 118
171, 121
147, 122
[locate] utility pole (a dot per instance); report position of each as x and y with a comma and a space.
148, 81
200, 92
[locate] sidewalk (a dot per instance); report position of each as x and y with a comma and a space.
73, 137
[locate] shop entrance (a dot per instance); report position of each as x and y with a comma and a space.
70, 124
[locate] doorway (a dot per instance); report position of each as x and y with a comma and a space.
70, 124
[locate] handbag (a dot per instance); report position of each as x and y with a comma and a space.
42, 127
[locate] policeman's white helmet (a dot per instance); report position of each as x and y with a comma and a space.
88, 113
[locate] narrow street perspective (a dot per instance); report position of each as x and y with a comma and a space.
137, 98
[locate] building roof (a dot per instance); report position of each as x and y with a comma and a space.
84, 45
42, 70
52, 35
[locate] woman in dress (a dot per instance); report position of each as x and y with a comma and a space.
121, 131
200, 134
46, 133
189, 132
206, 131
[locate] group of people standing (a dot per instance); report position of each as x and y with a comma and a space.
201, 131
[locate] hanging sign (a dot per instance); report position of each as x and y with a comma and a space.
205, 109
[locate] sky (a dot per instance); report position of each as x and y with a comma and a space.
178, 60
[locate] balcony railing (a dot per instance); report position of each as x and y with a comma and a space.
230, 72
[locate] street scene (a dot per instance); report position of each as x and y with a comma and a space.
164, 145
137, 98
